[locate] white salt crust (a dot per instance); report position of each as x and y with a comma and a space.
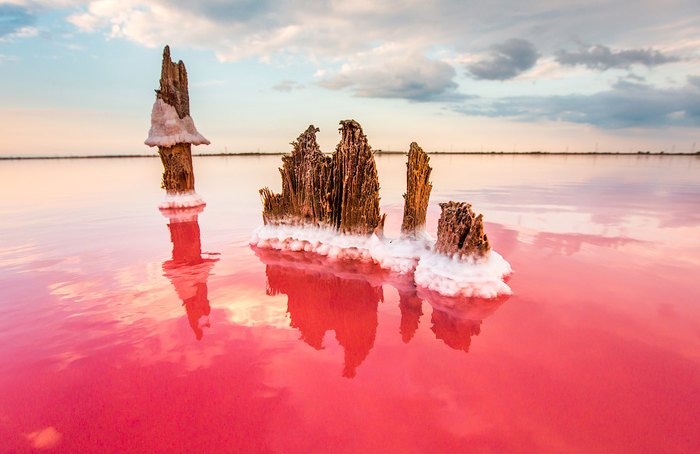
181, 200
168, 129
442, 274
453, 277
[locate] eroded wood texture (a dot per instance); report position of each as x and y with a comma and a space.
341, 192
355, 189
173, 84
178, 175
305, 175
418, 189
461, 232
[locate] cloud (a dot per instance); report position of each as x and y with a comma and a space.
386, 73
694, 80
15, 21
287, 86
625, 105
6, 58
239, 29
506, 61
602, 58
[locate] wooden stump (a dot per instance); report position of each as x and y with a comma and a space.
178, 176
418, 189
305, 179
355, 189
461, 232
340, 192
172, 129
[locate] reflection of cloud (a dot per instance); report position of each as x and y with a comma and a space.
569, 244
46, 438
612, 207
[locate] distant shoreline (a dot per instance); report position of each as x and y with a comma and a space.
377, 152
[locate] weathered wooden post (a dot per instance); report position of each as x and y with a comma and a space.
461, 232
417, 194
173, 132
340, 192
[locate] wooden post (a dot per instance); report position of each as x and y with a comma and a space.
340, 192
418, 189
461, 232
172, 128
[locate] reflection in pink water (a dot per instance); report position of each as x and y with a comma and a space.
597, 350
343, 296
187, 270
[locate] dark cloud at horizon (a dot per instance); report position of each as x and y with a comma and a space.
603, 57
507, 60
625, 105
13, 18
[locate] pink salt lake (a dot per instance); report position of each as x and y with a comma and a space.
124, 331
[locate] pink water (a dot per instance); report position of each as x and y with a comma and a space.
123, 331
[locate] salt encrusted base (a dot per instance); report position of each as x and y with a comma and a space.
469, 278
181, 200
439, 273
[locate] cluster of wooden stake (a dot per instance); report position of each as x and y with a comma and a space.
341, 192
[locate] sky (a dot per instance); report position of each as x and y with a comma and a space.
77, 76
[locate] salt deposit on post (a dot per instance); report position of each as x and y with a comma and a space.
173, 132
330, 206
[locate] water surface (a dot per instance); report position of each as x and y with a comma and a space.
123, 330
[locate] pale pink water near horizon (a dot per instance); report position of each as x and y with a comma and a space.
124, 331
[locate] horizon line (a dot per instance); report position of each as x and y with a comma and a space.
378, 151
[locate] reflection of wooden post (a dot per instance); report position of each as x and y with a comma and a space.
411, 310
418, 189
172, 128
461, 231
188, 270
455, 332
319, 300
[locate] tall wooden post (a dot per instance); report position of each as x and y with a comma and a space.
172, 129
418, 189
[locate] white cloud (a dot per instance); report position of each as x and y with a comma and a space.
336, 29
387, 72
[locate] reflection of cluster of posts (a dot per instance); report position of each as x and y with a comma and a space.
343, 296
322, 296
